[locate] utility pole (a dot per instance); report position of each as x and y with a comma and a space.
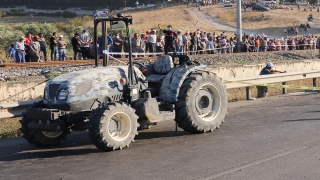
239, 26
125, 4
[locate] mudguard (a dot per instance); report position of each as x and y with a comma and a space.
169, 90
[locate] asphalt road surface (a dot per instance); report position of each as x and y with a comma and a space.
271, 138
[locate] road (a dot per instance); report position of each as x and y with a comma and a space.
271, 138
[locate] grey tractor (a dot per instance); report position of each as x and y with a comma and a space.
113, 102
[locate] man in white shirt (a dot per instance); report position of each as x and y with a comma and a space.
19, 47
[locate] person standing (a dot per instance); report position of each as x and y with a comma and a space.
85, 40
62, 48
53, 46
170, 38
136, 45
35, 49
28, 39
75, 46
152, 40
12, 53
43, 45
179, 43
263, 90
19, 47
117, 45
27, 56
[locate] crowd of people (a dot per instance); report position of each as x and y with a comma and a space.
33, 48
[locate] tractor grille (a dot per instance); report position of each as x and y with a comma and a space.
53, 88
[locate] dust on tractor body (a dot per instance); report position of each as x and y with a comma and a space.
113, 102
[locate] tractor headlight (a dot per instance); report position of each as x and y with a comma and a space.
62, 95
46, 94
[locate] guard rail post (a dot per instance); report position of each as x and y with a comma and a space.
284, 90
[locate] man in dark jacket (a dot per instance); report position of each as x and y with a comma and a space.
263, 90
76, 46
170, 38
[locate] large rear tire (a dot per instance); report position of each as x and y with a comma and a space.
113, 126
38, 137
202, 103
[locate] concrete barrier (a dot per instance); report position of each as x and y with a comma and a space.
21, 91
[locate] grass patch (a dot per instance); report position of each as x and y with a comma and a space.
9, 128
50, 74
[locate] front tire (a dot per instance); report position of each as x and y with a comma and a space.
113, 126
38, 137
202, 103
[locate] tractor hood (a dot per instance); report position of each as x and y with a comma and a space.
86, 85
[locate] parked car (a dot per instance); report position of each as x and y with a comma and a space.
227, 4
269, 2
286, 2
302, 3
259, 7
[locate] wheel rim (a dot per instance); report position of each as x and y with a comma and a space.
208, 102
51, 134
119, 126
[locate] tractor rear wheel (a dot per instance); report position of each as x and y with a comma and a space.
113, 126
202, 103
38, 137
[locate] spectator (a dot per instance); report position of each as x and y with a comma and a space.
109, 45
202, 46
35, 49
75, 46
28, 39
186, 42
85, 40
12, 53
160, 45
210, 46
223, 44
263, 90
62, 45
126, 46
136, 44
179, 43
20, 50
194, 43
53, 46
170, 37
117, 45
296, 31
152, 39
43, 45
257, 44
27, 52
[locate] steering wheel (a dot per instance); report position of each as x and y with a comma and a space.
141, 67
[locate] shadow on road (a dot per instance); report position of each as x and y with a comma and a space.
152, 135
297, 120
75, 145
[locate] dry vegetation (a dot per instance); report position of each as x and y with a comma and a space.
179, 17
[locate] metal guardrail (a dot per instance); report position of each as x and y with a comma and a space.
14, 109
8, 110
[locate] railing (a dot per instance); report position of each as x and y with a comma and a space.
14, 109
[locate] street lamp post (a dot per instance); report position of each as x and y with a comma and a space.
239, 26
137, 3
125, 4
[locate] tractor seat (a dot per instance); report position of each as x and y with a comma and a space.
162, 67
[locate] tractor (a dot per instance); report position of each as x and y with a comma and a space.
113, 102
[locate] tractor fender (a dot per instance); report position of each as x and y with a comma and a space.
170, 87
